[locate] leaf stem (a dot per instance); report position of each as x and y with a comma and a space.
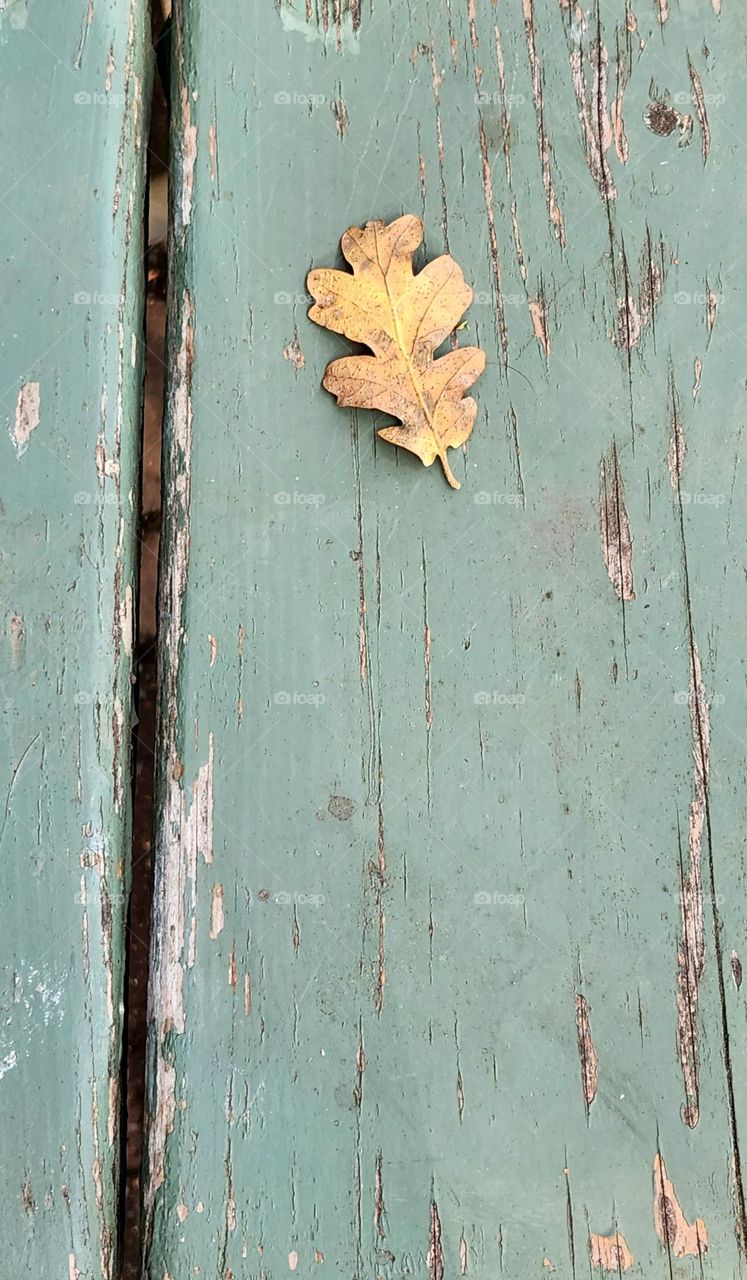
448, 471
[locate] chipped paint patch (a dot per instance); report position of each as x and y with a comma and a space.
538, 312
16, 640
682, 1238
28, 416
8, 1063
610, 1253
217, 915
339, 30
17, 12
292, 352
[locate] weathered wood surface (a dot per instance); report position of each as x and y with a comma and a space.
450, 888
74, 107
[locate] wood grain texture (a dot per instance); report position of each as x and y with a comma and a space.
450, 863
74, 107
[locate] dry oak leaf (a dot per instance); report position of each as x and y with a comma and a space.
402, 318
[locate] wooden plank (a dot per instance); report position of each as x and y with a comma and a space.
450, 866
74, 95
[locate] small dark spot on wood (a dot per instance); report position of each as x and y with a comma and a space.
263, 895
341, 808
736, 969
661, 119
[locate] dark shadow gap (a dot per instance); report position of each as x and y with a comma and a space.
137, 940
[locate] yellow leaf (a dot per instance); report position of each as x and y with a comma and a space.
402, 318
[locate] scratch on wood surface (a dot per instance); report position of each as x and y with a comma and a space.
379, 1205
614, 526
623, 69
701, 110
610, 1253
586, 1052
691, 953
679, 1237
711, 308
495, 257
543, 141
677, 443
340, 113
28, 416
435, 1257
213, 150
593, 111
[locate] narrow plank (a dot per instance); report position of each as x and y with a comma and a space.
74, 106
450, 870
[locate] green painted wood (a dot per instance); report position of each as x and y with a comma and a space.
450, 888
74, 107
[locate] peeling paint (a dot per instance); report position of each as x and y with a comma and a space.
594, 114
293, 353
217, 917
610, 1253
678, 1236
188, 158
